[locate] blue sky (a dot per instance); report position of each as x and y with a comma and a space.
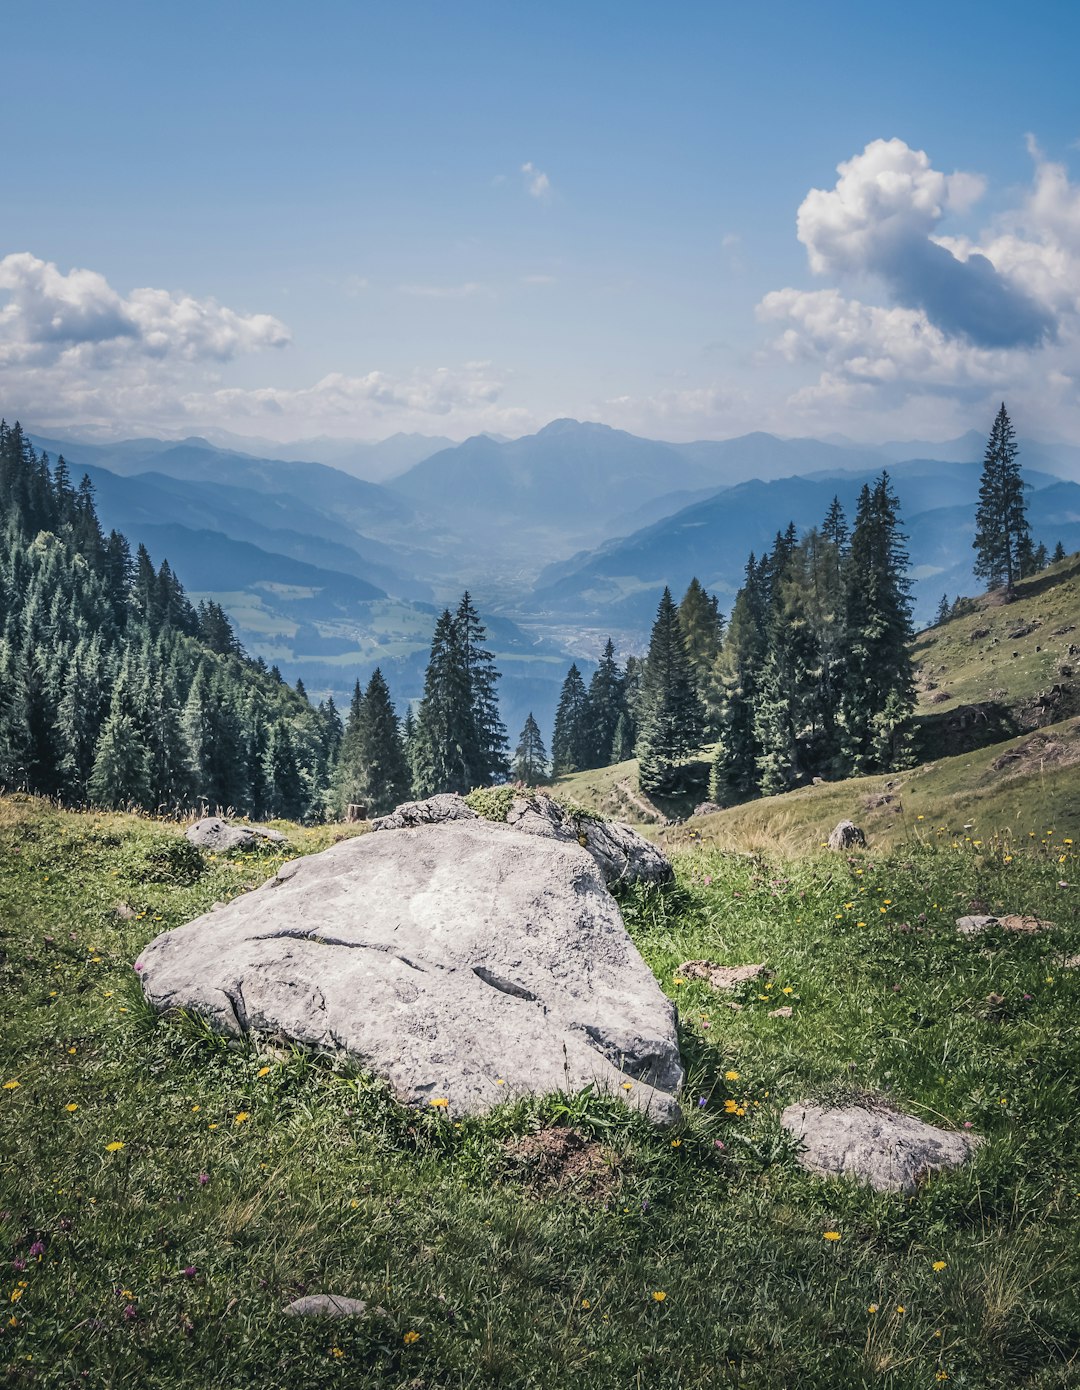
356, 218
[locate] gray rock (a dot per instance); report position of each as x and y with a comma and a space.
621, 854
847, 835
706, 808
888, 1150
325, 1305
436, 810
1011, 922
215, 834
463, 962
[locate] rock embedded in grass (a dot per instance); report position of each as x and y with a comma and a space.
325, 1305
847, 835
213, 833
876, 1145
464, 963
978, 923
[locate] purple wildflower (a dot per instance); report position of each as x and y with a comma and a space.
204, 1178
130, 1312
20, 1265
38, 1248
189, 1271
719, 1144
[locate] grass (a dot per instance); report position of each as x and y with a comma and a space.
166, 1262
973, 659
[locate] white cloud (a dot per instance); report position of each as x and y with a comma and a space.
536, 181
967, 318
50, 315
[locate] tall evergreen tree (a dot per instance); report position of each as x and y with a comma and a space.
1002, 536
446, 747
571, 740
606, 705
492, 761
879, 686
530, 756
381, 773
702, 629
120, 775
1059, 553
672, 714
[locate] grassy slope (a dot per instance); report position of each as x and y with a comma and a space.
971, 669
165, 1263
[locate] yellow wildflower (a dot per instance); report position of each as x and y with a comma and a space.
832, 1235
71, 1107
439, 1102
938, 1266
658, 1296
411, 1337
114, 1147
12, 1085
264, 1071
731, 1076
242, 1116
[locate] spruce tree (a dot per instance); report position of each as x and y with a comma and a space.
491, 745
571, 740
381, 773
879, 687
446, 750
672, 715
737, 675
1002, 536
1040, 558
943, 611
120, 775
1059, 553
605, 707
702, 630
530, 756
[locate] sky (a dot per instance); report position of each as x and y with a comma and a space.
690, 221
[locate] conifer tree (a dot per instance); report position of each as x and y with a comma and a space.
530, 756
571, 738
120, 775
1002, 536
622, 747
672, 715
1040, 558
446, 750
1059, 553
702, 629
736, 678
605, 707
381, 775
491, 744
943, 611
879, 687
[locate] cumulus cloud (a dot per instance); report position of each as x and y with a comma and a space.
50, 315
536, 181
880, 220
966, 317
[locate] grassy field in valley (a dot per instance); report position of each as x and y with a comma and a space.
163, 1196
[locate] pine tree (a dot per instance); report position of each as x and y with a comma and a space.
943, 611
672, 714
120, 775
702, 629
1040, 558
283, 777
446, 749
622, 746
736, 678
492, 761
382, 775
879, 686
1059, 553
530, 756
571, 738
605, 707
1002, 536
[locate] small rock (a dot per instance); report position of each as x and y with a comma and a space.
847, 835
1071, 963
720, 976
435, 810
215, 834
1023, 926
325, 1305
785, 1012
888, 1150
124, 911
706, 808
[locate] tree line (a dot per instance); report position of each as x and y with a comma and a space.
116, 691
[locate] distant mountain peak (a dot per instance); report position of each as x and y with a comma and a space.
569, 426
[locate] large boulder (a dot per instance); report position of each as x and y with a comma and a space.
888, 1150
218, 835
466, 963
621, 854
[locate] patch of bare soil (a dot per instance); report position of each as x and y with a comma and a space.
561, 1159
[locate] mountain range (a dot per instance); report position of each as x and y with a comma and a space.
563, 536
